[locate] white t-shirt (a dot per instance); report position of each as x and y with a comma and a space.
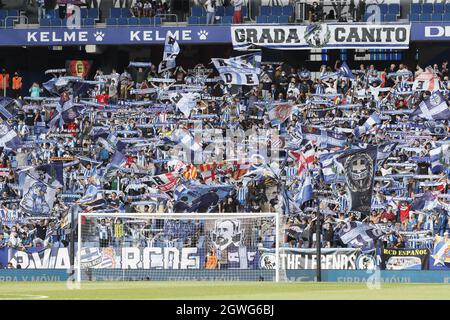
209, 7
238, 5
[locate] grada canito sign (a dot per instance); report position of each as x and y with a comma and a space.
321, 35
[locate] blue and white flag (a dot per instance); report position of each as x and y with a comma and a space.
171, 51
9, 137
437, 158
241, 70
6, 107
433, 108
38, 197
370, 122
185, 101
305, 191
355, 231
345, 71
327, 139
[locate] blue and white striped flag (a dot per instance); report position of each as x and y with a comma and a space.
241, 70
433, 108
305, 191
373, 120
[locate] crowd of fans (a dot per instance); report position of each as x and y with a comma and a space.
108, 110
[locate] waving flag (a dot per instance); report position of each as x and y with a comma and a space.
280, 113
358, 233
427, 201
345, 71
38, 197
426, 81
241, 70
437, 158
7, 107
185, 101
359, 172
305, 191
327, 139
433, 108
171, 51
9, 137
65, 112
370, 122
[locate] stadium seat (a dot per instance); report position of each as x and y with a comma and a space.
383, 8
115, 13
220, 11
145, 21
122, 21
229, 11
13, 13
192, 20
244, 12
49, 14
288, 11
93, 13
446, 16
272, 19
3, 14
438, 8
277, 11
125, 13
56, 22
202, 20
414, 17
133, 21
427, 8
111, 21
265, 11
261, 19
227, 20
198, 11
425, 17
84, 13
447, 7
390, 17
88, 22
283, 19
394, 8
157, 21
436, 17
416, 8
45, 23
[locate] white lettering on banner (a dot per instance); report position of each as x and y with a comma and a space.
437, 31
322, 36
53, 36
157, 35
160, 258
334, 261
48, 259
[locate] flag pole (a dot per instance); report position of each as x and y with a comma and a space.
318, 237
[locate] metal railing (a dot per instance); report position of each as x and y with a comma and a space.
21, 18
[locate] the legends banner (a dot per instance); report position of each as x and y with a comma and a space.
404, 259
331, 259
321, 35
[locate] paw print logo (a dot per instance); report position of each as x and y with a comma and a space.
99, 36
202, 34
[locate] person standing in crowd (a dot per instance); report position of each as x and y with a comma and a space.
35, 90
16, 85
237, 18
4, 82
210, 7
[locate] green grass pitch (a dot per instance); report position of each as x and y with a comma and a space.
219, 290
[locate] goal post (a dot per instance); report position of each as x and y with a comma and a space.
178, 246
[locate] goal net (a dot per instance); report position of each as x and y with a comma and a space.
157, 247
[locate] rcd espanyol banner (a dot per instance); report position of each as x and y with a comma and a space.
321, 35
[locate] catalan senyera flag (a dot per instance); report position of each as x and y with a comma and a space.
190, 172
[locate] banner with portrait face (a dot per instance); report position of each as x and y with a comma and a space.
359, 171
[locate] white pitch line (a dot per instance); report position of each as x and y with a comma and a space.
19, 296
